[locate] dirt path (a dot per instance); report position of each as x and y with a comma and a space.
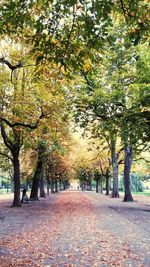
75, 229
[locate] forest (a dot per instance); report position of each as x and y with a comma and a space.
74, 95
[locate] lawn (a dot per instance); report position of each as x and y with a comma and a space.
144, 193
5, 190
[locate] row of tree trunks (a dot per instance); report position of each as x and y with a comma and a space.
39, 173
128, 155
99, 182
54, 185
57, 185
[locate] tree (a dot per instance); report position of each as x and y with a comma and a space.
107, 102
12, 128
38, 175
61, 40
16, 117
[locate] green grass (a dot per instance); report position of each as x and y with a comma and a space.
5, 190
144, 193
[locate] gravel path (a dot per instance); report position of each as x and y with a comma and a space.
75, 229
130, 222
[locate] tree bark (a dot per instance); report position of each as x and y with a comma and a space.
127, 168
90, 184
107, 183
42, 191
64, 185
52, 186
101, 184
98, 185
16, 178
35, 182
60, 184
38, 173
48, 187
36, 179
56, 186
115, 192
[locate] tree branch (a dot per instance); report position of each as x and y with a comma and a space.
7, 142
25, 125
72, 27
146, 160
10, 66
121, 161
5, 155
123, 9
120, 151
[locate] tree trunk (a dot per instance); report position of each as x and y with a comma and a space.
101, 184
27, 185
97, 186
16, 179
81, 186
15, 149
89, 185
38, 173
127, 167
64, 185
107, 183
42, 191
115, 192
47, 174
52, 186
35, 182
48, 187
60, 184
56, 186
98, 178
36, 179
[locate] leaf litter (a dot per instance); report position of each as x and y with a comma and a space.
66, 234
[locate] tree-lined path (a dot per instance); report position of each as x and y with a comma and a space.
75, 229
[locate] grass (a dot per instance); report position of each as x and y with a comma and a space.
144, 193
5, 190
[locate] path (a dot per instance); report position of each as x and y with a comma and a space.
75, 229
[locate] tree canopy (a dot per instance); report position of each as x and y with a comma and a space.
74, 62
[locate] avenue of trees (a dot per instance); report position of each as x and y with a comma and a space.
68, 64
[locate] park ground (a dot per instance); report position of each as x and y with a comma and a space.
74, 228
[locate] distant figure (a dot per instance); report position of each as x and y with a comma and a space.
24, 195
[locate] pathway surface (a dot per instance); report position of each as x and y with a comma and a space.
75, 229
